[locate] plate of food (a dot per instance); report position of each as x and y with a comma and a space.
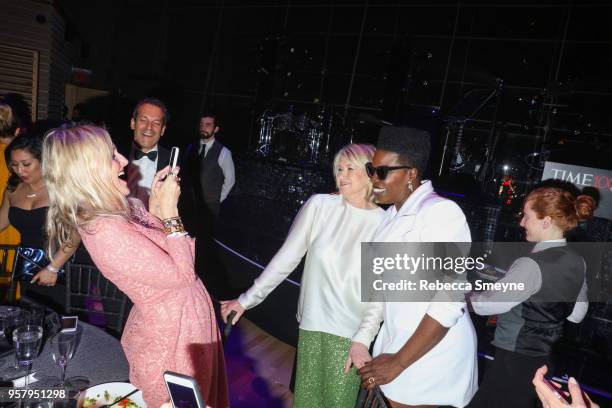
108, 393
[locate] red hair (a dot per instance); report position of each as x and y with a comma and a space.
563, 207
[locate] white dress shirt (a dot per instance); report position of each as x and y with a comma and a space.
140, 176
331, 231
227, 166
448, 373
527, 271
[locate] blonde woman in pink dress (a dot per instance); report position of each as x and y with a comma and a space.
148, 256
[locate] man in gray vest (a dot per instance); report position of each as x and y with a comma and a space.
207, 176
209, 172
216, 170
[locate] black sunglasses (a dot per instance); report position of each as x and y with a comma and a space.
382, 171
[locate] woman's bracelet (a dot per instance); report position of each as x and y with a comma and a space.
173, 226
52, 269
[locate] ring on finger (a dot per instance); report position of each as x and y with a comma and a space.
371, 380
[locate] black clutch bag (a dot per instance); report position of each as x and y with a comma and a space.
30, 261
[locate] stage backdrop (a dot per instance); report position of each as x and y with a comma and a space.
583, 177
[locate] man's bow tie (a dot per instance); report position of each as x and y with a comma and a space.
138, 154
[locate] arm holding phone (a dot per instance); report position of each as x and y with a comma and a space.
552, 396
166, 190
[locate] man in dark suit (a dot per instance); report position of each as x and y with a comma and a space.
146, 157
207, 176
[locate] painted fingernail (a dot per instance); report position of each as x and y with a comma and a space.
572, 380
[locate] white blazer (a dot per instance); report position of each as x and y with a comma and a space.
448, 373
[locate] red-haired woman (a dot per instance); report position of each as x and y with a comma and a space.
530, 322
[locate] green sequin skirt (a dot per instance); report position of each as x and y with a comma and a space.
320, 380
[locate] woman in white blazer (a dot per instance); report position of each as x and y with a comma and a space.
425, 352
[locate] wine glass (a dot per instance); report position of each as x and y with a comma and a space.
27, 340
63, 346
10, 322
77, 382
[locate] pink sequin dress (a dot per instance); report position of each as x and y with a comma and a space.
172, 325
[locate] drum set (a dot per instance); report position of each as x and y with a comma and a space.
301, 137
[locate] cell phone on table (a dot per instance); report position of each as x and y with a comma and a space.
174, 154
184, 391
69, 323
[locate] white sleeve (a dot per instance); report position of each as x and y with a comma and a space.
524, 270
229, 174
582, 305
286, 259
370, 323
445, 223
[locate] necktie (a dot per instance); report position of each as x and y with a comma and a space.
203, 152
138, 154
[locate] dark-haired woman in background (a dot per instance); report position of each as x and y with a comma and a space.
530, 322
25, 207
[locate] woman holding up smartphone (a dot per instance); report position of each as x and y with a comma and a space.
148, 256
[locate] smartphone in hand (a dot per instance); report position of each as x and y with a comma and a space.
174, 154
557, 391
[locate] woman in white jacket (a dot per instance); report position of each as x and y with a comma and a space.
425, 352
329, 230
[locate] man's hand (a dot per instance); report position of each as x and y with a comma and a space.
381, 370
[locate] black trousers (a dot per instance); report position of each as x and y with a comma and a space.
507, 381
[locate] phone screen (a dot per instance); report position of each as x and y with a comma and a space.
182, 397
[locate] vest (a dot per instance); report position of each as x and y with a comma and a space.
211, 177
534, 326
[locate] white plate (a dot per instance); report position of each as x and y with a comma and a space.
115, 389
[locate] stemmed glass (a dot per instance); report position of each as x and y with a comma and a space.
78, 382
27, 340
10, 322
63, 346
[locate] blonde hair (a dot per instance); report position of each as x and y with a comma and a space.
8, 121
358, 155
77, 168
